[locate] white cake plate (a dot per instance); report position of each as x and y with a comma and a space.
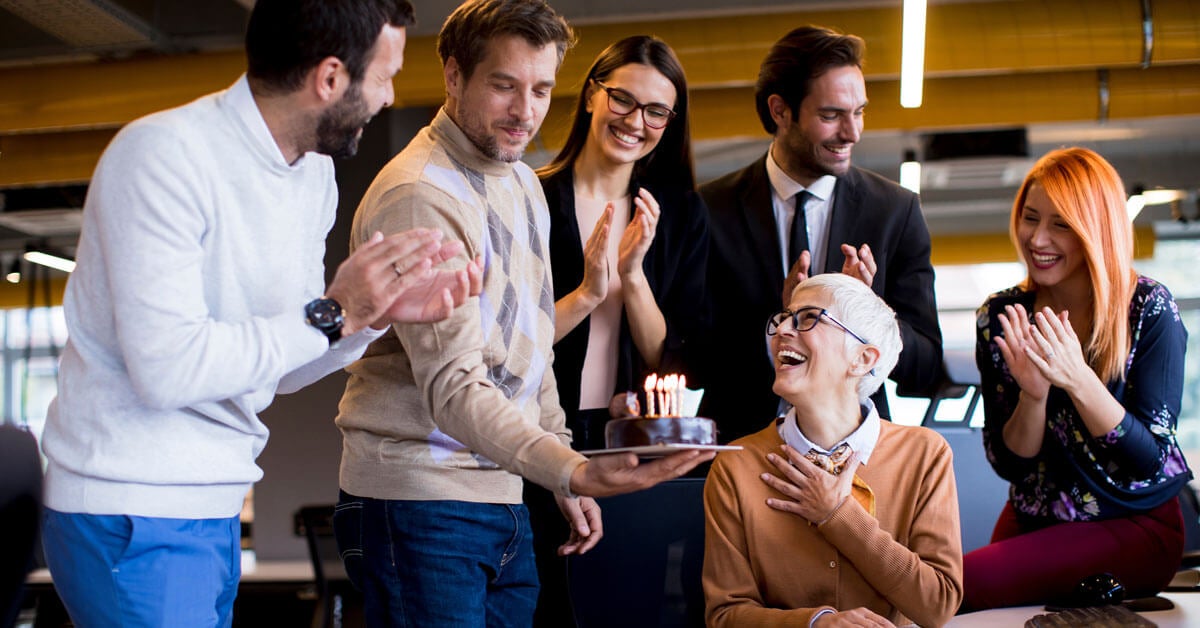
657, 451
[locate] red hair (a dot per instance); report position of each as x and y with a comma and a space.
1088, 194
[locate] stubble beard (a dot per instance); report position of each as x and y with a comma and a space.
475, 128
339, 126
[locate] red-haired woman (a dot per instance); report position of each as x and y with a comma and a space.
1082, 375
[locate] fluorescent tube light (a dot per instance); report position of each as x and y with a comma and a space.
1162, 197
52, 261
1134, 206
910, 172
912, 54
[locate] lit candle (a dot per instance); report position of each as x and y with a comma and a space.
662, 397
679, 392
671, 383
650, 395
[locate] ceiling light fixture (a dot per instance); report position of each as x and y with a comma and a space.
14, 271
910, 172
912, 54
1142, 197
50, 260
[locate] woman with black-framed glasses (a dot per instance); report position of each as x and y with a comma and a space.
628, 243
831, 515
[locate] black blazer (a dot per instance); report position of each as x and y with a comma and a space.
674, 267
746, 282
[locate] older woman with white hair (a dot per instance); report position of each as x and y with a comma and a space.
831, 516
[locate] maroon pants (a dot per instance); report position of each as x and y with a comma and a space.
1032, 566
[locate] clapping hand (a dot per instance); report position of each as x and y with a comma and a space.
595, 258
638, 236
797, 274
859, 263
383, 270
432, 295
1058, 355
1018, 347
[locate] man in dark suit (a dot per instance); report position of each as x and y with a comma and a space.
810, 96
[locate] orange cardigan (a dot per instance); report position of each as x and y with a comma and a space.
763, 567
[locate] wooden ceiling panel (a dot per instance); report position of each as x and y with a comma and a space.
995, 63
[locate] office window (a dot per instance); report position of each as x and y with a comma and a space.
1174, 265
33, 340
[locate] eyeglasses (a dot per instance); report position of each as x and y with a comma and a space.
804, 319
622, 103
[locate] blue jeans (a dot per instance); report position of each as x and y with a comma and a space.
120, 571
448, 564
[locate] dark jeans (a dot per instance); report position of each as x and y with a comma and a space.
448, 564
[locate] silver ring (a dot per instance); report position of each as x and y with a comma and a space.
397, 269
1049, 355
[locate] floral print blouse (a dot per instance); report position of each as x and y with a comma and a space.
1076, 477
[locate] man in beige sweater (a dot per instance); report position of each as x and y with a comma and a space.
440, 421
831, 516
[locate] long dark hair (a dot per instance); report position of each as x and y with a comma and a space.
671, 160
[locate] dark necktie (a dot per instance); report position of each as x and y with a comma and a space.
832, 462
798, 238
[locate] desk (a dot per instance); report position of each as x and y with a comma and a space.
262, 571
270, 593
1186, 614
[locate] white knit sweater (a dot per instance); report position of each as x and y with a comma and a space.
200, 247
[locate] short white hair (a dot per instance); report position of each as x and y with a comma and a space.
861, 310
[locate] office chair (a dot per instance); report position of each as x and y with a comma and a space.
645, 572
338, 602
20, 510
981, 493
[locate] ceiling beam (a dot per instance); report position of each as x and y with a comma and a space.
951, 102
965, 39
989, 64
51, 158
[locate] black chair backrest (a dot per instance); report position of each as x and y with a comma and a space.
315, 523
981, 493
646, 569
20, 510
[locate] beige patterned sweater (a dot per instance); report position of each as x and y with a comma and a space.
460, 409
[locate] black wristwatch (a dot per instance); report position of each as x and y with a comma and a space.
326, 315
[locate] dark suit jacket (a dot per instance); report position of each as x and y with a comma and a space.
674, 268
746, 282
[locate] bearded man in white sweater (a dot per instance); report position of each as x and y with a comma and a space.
200, 294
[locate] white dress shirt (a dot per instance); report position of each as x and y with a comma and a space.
816, 213
861, 440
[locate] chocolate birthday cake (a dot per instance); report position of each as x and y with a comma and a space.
661, 424
668, 430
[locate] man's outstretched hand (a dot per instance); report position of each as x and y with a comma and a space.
614, 474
